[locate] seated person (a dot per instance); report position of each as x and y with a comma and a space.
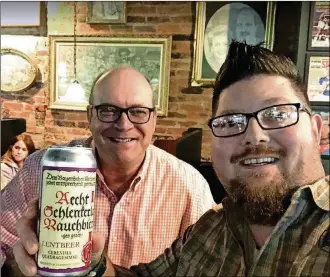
13, 159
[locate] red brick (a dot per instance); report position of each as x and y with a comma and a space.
161, 130
28, 108
171, 28
181, 64
63, 123
181, 19
136, 19
144, 29
190, 107
164, 122
13, 106
177, 9
176, 115
133, 10
158, 19
175, 131
182, 46
121, 29
41, 108
76, 116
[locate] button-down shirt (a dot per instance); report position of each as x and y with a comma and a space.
166, 196
221, 243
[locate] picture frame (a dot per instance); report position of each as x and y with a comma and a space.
319, 21
105, 12
150, 55
217, 23
317, 77
18, 71
324, 112
20, 14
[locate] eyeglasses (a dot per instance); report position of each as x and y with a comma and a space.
269, 118
111, 113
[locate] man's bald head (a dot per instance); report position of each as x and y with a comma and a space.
112, 75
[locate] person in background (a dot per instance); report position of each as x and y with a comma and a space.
265, 151
13, 159
145, 197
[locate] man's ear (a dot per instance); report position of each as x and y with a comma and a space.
155, 115
89, 113
317, 124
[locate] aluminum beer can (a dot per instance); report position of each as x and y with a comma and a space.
66, 204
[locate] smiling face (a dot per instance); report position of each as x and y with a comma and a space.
122, 142
260, 167
19, 151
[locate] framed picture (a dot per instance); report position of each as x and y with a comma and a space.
317, 78
218, 23
106, 12
18, 72
20, 14
318, 34
324, 112
149, 55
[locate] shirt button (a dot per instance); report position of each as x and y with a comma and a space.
114, 238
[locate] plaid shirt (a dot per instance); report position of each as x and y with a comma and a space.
221, 244
165, 197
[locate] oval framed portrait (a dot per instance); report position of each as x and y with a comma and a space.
18, 71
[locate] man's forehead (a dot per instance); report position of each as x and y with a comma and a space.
259, 91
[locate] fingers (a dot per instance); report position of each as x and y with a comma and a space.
32, 209
97, 247
110, 270
25, 262
26, 229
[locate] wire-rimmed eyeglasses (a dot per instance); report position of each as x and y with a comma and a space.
111, 113
269, 118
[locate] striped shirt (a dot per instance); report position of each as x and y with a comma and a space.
221, 244
166, 196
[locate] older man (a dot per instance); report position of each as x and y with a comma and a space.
265, 150
146, 197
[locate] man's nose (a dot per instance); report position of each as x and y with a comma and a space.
123, 123
254, 134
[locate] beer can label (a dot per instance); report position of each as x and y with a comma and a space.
66, 219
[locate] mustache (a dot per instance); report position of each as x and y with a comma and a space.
257, 151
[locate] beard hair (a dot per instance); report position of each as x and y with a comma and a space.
262, 204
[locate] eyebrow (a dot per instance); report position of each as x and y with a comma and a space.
271, 101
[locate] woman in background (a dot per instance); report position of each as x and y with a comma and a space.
13, 159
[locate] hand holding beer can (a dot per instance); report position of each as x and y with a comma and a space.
66, 206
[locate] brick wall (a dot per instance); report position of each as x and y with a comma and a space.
188, 107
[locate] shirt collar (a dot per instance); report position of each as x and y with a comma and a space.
142, 171
320, 192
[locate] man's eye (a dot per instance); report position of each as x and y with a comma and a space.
138, 112
108, 110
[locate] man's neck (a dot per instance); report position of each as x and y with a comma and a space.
118, 177
260, 233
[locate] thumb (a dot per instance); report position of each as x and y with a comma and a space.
98, 243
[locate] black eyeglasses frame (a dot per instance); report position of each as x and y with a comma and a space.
121, 111
298, 106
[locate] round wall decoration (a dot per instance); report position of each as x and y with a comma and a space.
17, 71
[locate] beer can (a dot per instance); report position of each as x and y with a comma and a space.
66, 204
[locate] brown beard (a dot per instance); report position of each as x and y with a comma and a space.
261, 204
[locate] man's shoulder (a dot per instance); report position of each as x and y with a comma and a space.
160, 156
214, 218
